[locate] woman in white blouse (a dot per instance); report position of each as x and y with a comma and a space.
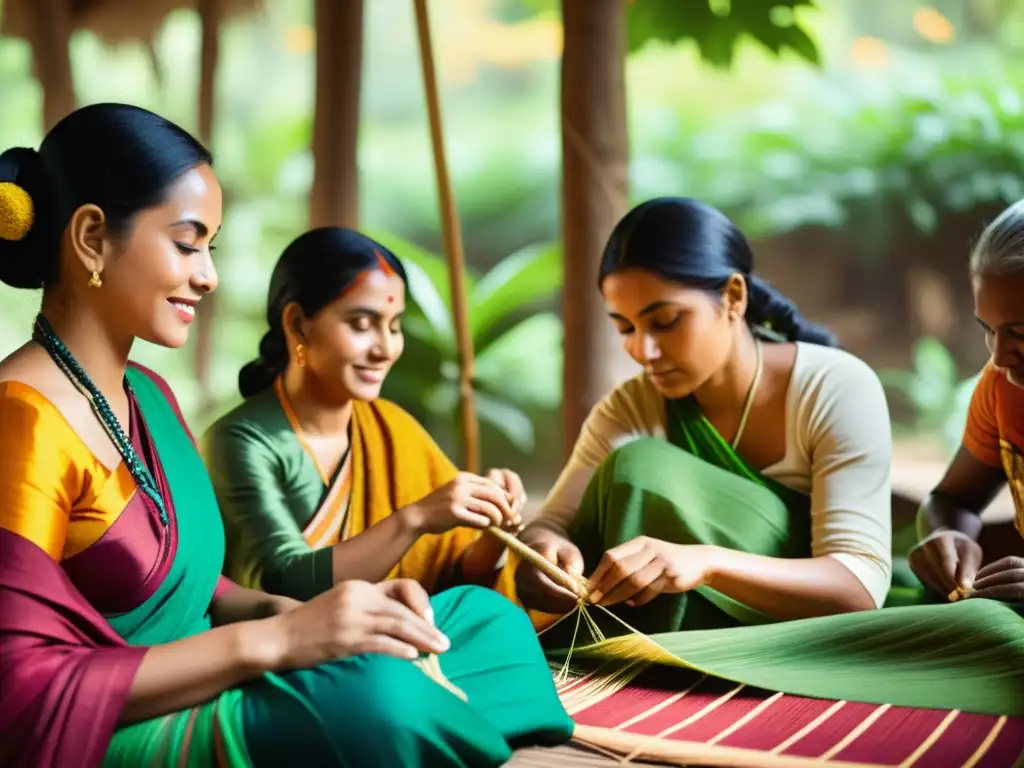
744, 477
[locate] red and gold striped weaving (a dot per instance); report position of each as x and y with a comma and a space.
682, 717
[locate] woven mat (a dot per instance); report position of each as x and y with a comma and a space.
676, 716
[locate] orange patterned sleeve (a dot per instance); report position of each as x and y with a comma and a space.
35, 493
981, 435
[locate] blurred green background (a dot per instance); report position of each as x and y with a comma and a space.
861, 180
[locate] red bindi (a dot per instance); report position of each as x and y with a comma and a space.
390, 299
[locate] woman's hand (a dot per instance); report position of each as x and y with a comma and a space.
469, 500
511, 483
639, 570
392, 618
1001, 580
537, 590
946, 561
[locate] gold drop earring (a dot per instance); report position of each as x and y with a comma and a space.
300, 356
95, 281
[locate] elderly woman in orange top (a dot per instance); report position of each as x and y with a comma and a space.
949, 559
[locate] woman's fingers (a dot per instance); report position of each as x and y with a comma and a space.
410, 593
620, 567
998, 566
968, 562
407, 627
481, 508
611, 558
650, 592
942, 557
387, 646
488, 492
637, 581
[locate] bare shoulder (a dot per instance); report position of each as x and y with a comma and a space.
32, 367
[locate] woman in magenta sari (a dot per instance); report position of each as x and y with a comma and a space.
120, 642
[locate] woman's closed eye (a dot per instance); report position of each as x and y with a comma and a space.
661, 324
188, 250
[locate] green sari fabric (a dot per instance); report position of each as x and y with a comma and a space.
268, 488
361, 711
694, 489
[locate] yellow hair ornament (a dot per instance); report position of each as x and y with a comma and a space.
16, 212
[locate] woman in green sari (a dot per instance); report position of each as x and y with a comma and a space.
745, 472
122, 643
320, 479
740, 487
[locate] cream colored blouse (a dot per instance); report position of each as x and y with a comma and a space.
838, 451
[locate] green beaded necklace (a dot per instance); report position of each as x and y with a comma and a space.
43, 334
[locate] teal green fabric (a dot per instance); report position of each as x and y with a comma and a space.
377, 711
179, 607
268, 489
362, 712
695, 490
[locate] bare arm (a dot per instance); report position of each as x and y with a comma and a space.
373, 553
188, 672
390, 618
964, 492
787, 589
242, 604
483, 560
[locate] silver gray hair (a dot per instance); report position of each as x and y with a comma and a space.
1000, 249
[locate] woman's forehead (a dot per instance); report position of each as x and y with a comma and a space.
999, 299
373, 287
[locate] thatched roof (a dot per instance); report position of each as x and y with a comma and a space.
113, 21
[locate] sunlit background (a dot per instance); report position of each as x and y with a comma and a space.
861, 181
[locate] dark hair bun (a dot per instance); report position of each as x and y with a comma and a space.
117, 157
22, 166
259, 374
771, 310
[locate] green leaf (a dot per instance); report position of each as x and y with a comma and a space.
933, 361
716, 34
507, 419
524, 364
953, 427
516, 282
424, 293
902, 381
934, 385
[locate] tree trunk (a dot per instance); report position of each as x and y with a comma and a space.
50, 44
209, 14
339, 62
595, 195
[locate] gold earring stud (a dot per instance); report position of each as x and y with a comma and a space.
95, 281
300, 356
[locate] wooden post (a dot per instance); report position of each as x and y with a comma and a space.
334, 200
595, 195
209, 16
51, 38
452, 247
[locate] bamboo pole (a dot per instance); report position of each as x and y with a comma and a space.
210, 15
452, 248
